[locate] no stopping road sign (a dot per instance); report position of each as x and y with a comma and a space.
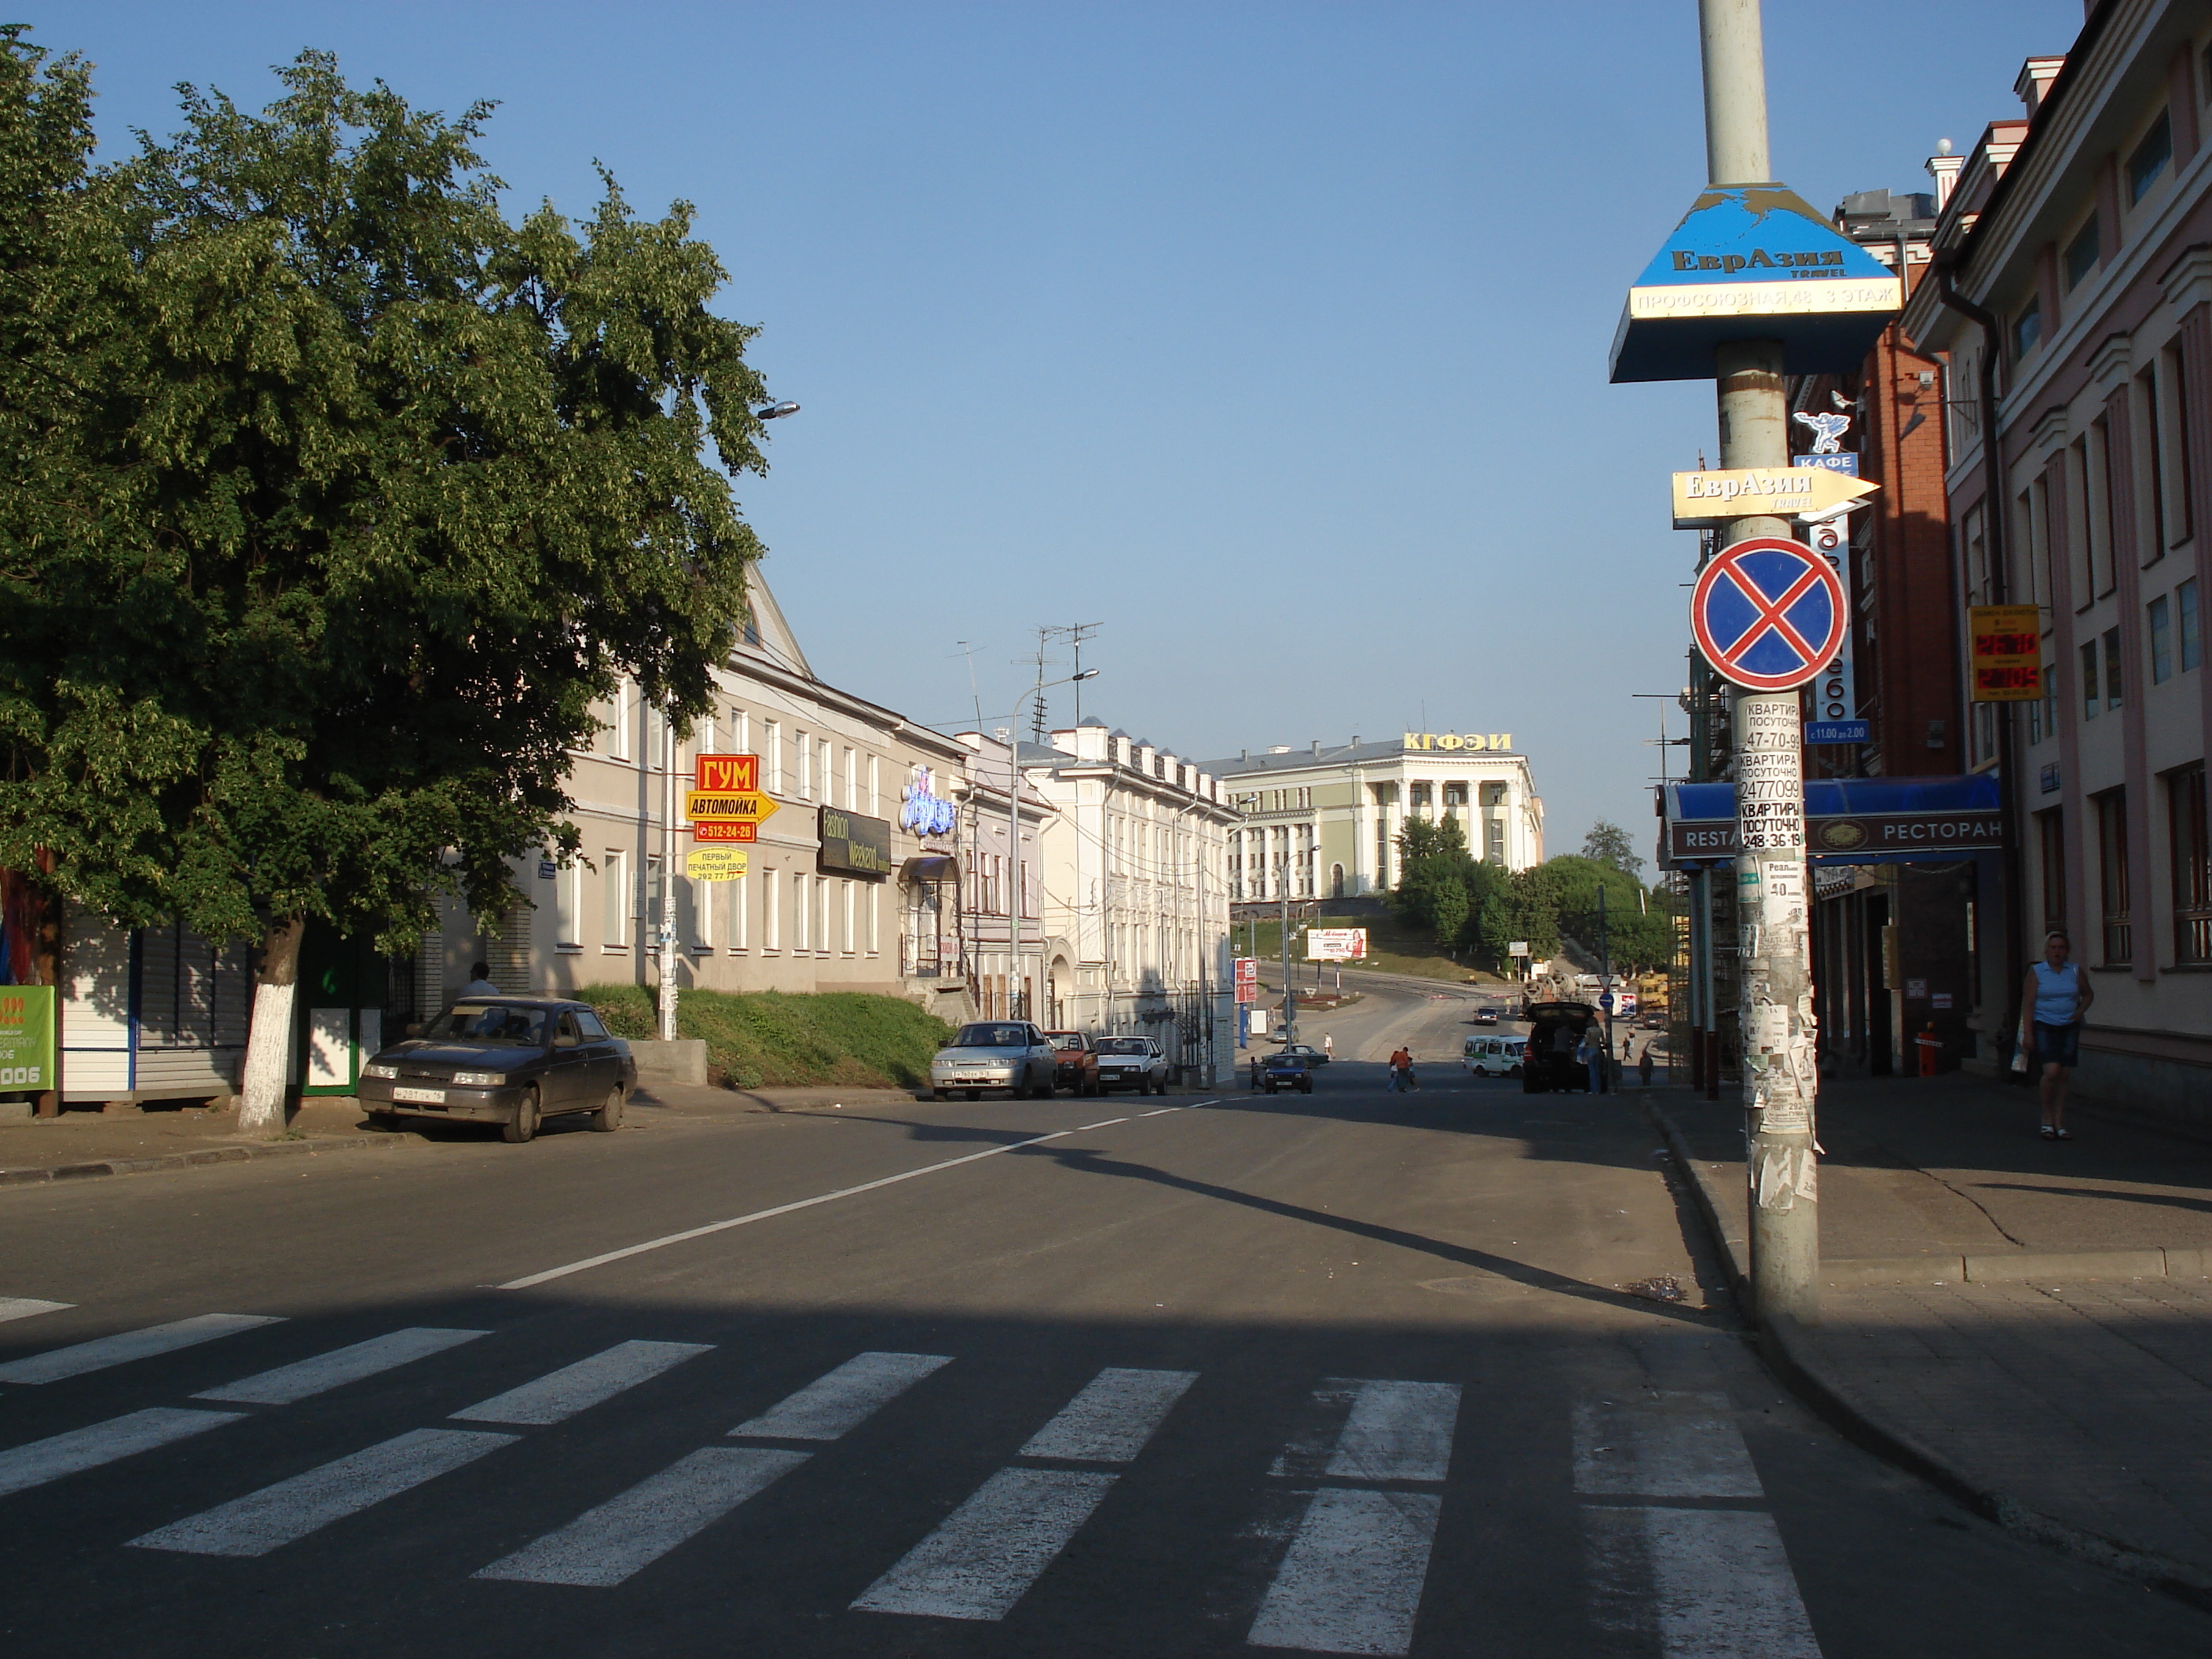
1768, 614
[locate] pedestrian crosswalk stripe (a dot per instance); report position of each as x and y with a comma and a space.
1351, 1582
279, 1514
59, 1364
1718, 1582
25, 1467
991, 1549
324, 1372
1682, 1446
1397, 1431
561, 1395
23, 1307
604, 1546
1113, 1418
839, 1402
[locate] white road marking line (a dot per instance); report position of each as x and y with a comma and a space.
836, 1403
604, 1545
1396, 1432
101, 1352
1104, 1124
324, 1372
25, 1467
712, 1227
559, 1395
1351, 1582
991, 1548
1118, 1411
265, 1520
23, 1307
1645, 1451
1722, 1587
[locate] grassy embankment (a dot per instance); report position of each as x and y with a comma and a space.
766, 1039
1391, 947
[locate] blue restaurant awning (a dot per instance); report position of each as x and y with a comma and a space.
1847, 820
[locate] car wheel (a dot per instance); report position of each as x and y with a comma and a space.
1092, 1090
941, 1094
608, 1118
384, 1122
1516, 1072
524, 1124
974, 1094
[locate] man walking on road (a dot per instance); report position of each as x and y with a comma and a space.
1401, 1070
1328, 1046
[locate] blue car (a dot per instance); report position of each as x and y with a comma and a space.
1278, 1071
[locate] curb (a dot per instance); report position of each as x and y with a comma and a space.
116, 1166
1782, 1344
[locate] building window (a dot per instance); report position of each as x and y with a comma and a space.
875, 918
2090, 701
2051, 844
2082, 254
2184, 606
875, 786
2148, 165
568, 908
618, 741
803, 755
2026, 328
2176, 460
1417, 797
2192, 865
2112, 877
772, 752
802, 917
2113, 678
694, 918
771, 910
614, 900
2160, 615
734, 914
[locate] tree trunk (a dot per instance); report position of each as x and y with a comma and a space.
46, 952
269, 1041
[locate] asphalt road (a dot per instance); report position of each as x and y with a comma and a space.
1348, 1372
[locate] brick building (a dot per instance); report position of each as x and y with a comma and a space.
2072, 302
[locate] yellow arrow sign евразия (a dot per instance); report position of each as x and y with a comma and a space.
1784, 492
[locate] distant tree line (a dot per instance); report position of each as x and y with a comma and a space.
1477, 910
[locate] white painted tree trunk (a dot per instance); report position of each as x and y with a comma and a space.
269, 1040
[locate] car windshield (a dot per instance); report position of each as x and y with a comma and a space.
1072, 1042
490, 1022
991, 1036
1120, 1045
1291, 1062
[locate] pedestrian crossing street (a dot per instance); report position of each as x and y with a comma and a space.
1680, 1556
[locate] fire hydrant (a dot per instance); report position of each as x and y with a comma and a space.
1931, 1050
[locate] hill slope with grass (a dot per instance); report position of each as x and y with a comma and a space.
769, 1039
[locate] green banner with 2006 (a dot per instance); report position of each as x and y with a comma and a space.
26, 1036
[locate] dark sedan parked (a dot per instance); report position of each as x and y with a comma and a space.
514, 1061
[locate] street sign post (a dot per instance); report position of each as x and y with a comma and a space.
1768, 614
1725, 495
2008, 652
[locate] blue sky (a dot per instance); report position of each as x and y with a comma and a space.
1270, 336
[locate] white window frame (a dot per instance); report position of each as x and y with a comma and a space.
771, 911
735, 906
614, 900
568, 908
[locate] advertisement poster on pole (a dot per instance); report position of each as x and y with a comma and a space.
26, 1036
1336, 944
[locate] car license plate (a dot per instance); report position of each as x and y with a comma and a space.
426, 1096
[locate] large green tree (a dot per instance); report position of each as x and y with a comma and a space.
1441, 886
352, 496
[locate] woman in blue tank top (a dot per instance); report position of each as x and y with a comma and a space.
2053, 998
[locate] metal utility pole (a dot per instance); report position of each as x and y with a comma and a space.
1290, 991
1016, 1002
1779, 1079
667, 997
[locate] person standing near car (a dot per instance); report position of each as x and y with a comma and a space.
2053, 1000
480, 984
1328, 1046
1593, 1053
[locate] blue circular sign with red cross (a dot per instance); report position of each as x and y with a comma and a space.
1768, 614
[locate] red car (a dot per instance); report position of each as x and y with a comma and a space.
1075, 1062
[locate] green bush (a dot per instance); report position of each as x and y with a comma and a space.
768, 1039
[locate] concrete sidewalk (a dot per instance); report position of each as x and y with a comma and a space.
2027, 1323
